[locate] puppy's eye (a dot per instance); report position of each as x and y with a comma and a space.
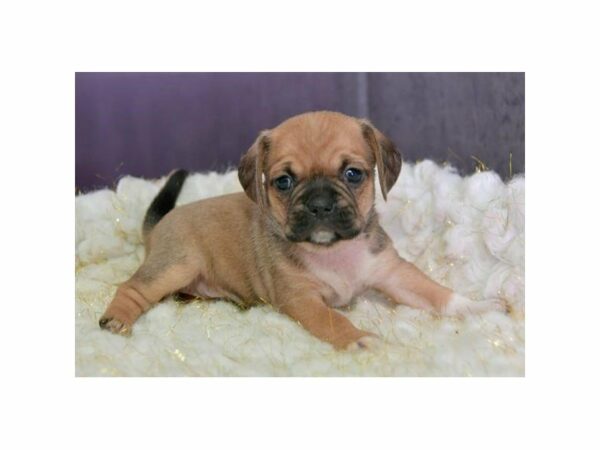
284, 183
353, 175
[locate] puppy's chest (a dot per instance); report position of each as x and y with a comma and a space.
345, 268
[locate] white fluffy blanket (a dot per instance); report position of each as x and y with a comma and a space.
467, 233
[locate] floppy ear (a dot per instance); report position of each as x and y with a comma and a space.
251, 169
387, 157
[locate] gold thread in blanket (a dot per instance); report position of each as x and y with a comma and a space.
480, 166
179, 354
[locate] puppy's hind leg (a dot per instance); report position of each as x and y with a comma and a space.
157, 277
404, 283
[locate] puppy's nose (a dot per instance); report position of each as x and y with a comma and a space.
321, 205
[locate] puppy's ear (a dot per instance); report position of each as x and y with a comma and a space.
387, 157
251, 169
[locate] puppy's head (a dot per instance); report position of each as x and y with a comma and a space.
315, 174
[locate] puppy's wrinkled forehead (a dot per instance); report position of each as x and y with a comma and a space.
317, 143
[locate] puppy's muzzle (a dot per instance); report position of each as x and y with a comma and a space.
321, 214
321, 204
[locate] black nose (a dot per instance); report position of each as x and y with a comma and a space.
321, 205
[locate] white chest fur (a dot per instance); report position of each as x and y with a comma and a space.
345, 267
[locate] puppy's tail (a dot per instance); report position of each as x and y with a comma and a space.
165, 200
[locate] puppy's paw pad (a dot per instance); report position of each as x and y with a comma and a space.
115, 326
369, 342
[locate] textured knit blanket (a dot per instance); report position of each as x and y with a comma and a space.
467, 233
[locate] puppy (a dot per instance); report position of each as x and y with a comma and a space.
304, 236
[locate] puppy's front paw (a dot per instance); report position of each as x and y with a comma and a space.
369, 342
115, 326
460, 306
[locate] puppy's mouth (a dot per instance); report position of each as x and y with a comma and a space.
322, 237
319, 232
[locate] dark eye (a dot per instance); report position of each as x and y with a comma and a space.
284, 183
353, 176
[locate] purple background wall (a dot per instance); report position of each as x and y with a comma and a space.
146, 124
